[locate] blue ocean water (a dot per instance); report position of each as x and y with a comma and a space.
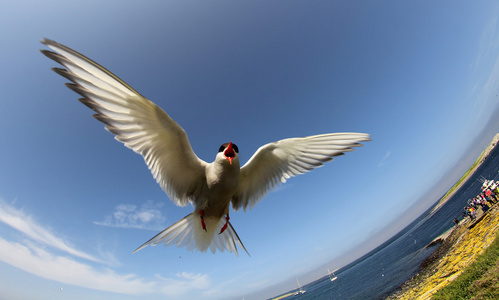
380, 272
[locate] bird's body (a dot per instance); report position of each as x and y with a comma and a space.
222, 179
210, 187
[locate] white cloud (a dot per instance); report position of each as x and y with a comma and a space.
148, 216
25, 224
229, 288
260, 284
382, 162
185, 282
40, 261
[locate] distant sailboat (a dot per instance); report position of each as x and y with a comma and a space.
333, 277
301, 291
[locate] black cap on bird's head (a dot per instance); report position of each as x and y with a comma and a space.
229, 151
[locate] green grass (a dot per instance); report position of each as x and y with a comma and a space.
465, 175
478, 281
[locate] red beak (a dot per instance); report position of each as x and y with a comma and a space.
229, 153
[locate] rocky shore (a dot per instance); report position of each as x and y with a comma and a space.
459, 248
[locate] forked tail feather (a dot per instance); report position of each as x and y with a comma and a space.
188, 232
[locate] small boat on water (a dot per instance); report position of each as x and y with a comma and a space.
299, 292
332, 276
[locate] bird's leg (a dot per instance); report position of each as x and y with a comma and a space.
201, 214
226, 223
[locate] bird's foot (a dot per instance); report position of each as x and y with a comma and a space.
226, 223
201, 214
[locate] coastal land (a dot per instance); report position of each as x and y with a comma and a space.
456, 257
481, 158
461, 252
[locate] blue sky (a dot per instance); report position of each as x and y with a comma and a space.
421, 78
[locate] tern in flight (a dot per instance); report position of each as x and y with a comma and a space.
211, 188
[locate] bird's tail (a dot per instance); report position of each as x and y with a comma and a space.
188, 232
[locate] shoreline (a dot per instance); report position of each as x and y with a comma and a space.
481, 158
459, 246
457, 251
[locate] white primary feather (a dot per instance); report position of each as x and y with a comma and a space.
136, 121
276, 162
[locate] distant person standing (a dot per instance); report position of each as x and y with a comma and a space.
491, 196
472, 213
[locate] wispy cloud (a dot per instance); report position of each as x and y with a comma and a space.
383, 160
30, 256
183, 283
147, 216
40, 262
20, 221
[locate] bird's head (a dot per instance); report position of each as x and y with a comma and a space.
229, 151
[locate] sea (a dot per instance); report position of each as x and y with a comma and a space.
379, 273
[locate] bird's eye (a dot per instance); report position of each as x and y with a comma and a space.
222, 148
235, 148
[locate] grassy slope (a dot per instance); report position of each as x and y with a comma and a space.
478, 281
459, 262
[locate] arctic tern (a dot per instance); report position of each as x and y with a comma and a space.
211, 188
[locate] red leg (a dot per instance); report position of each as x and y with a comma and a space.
201, 213
226, 223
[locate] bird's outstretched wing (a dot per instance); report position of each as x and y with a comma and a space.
276, 162
135, 121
